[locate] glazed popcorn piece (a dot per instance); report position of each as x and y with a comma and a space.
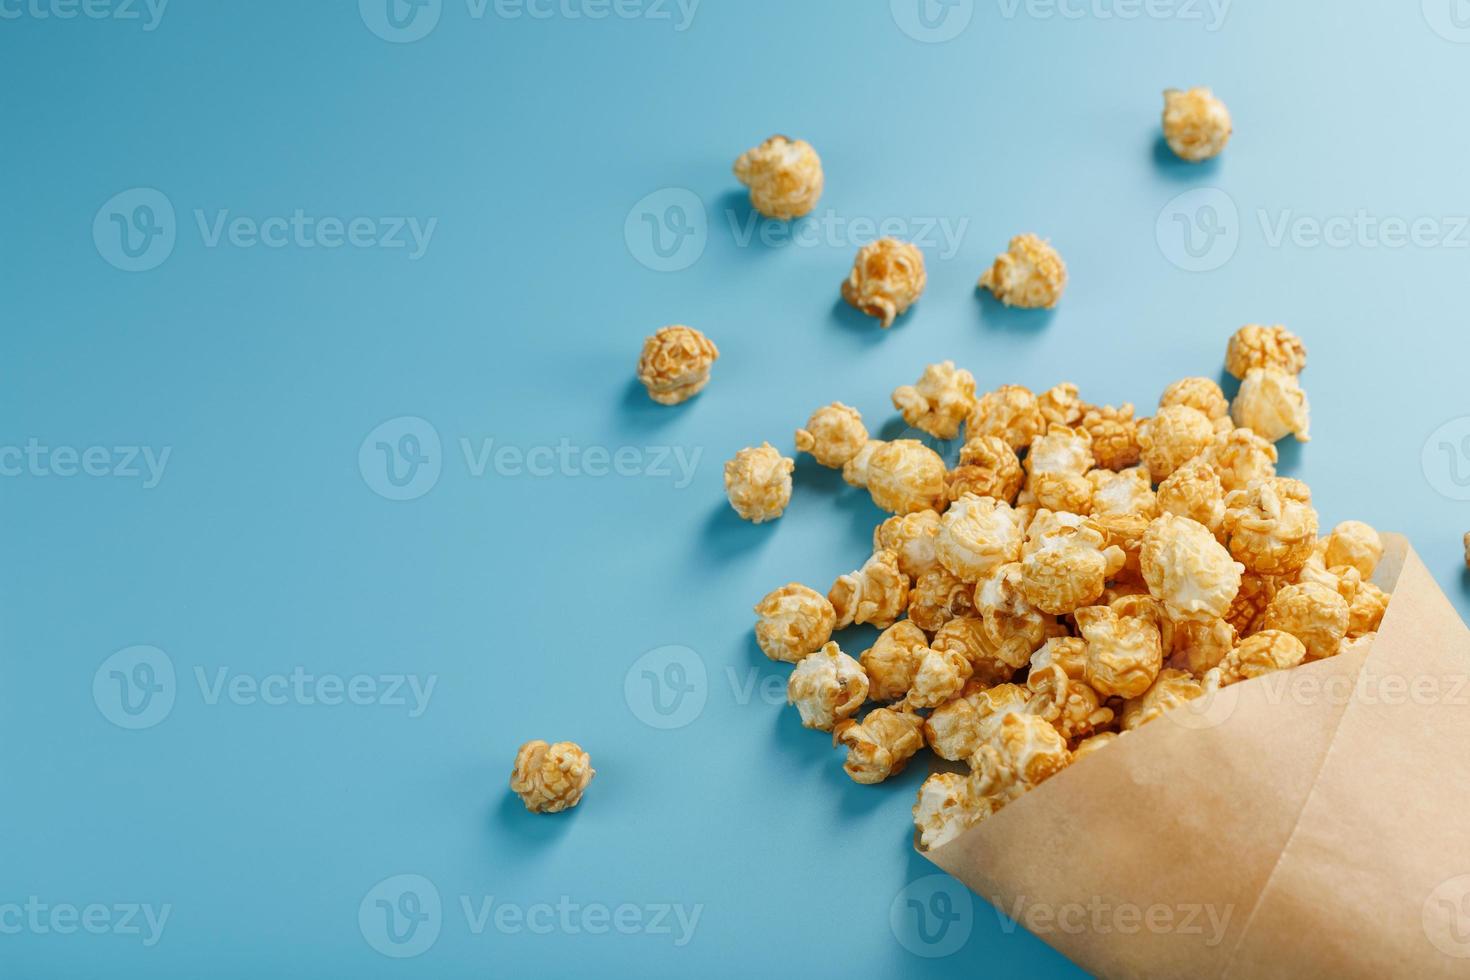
784, 177
758, 483
978, 534
1196, 124
1114, 433
912, 538
936, 597
675, 364
1172, 438
1011, 412
856, 470
940, 402
892, 662
1013, 628
1074, 709
1067, 562
1254, 346
1061, 405
877, 593
887, 278
988, 467
1024, 753
1124, 653
967, 636
1271, 527
1262, 653
1271, 403
833, 435
551, 778
1366, 609
1247, 611
881, 745
1314, 614
942, 674
1171, 689
1354, 543
905, 476
946, 808
1194, 491
827, 687
1240, 457
1200, 645
1067, 652
1123, 505
1187, 570
1029, 274
794, 621
1200, 394
1056, 469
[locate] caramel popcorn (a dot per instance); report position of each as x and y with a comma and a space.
1123, 505
1029, 274
936, 597
1169, 690
1271, 403
551, 778
957, 728
1061, 405
881, 745
1066, 563
887, 278
758, 483
912, 538
1271, 527
1194, 491
1196, 124
1056, 469
877, 593
675, 364
946, 808
1088, 746
1254, 346
1200, 645
1354, 543
967, 636
941, 675
1074, 709
976, 535
1262, 653
1247, 611
1366, 609
1189, 571
827, 687
1124, 653
1114, 433
1314, 614
784, 177
904, 476
833, 435
1011, 412
940, 402
1240, 457
988, 467
1067, 652
893, 660
1025, 752
1201, 394
1013, 628
1172, 438
794, 621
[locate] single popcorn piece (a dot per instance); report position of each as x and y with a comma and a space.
1061, 404
1056, 469
877, 593
827, 687
1194, 491
758, 483
1354, 543
941, 675
1067, 562
967, 636
1124, 653
1123, 505
794, 621
1029, 274
1187, 570
887, 278
1196, 124
1011, 412
1271, 403
1262, 653
1200, 394
988, 467
905, 476
1254, 346
855, 471
1073, 708
946, 808
940, 402
1200, 645
1172, 438
1366, 609
879, 746
1066, 652
784, 177
1247, 612
956, 729
1023, 754
551, 778
1013, 629
978, 534
912, 538
833, 435
675, 364
892, 662
1114, 433
1171, 689
937, 596
1271, 527
1240, 457
1314, 614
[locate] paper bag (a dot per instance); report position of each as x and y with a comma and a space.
1311, 823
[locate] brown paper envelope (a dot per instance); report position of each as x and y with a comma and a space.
1310, 823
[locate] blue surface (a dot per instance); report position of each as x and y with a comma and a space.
528, 601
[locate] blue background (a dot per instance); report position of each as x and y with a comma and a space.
265, 546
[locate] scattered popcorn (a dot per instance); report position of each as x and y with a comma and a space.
967, 636
1201, 394
1194, 491
855, 470
887, 278
794, 621
675, 364
1240, 457
1061, 405
976, 535
758, 483
1073, 708
1271, 403
1271, 527
942, 675
1172, 438
1114, 433
1171, 689
833, 435
877, 593
956, 729
1029, 274
940, 402
988, 467
827, 687
1056, 469
784, 177
892, 662
937, 596
1196, 124
1312, 613
1013, 628
946, 808
1261, 653
1011, 412
881, 745
1124, 653
905, 476
1067, 561
1189, 571
912, 538
1255, 346
1024, 753
551, 778
1354, 543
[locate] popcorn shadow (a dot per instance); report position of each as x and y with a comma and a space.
808, 747
640, 410
745, 225
1170, 165
863, 516
727, 535
815, 478
1229, 384
536, 829
858, 324
1288, 456
995, 315
1465, 579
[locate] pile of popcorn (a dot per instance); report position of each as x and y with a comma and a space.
1079, 572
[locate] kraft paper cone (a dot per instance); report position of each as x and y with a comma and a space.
1311, 823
